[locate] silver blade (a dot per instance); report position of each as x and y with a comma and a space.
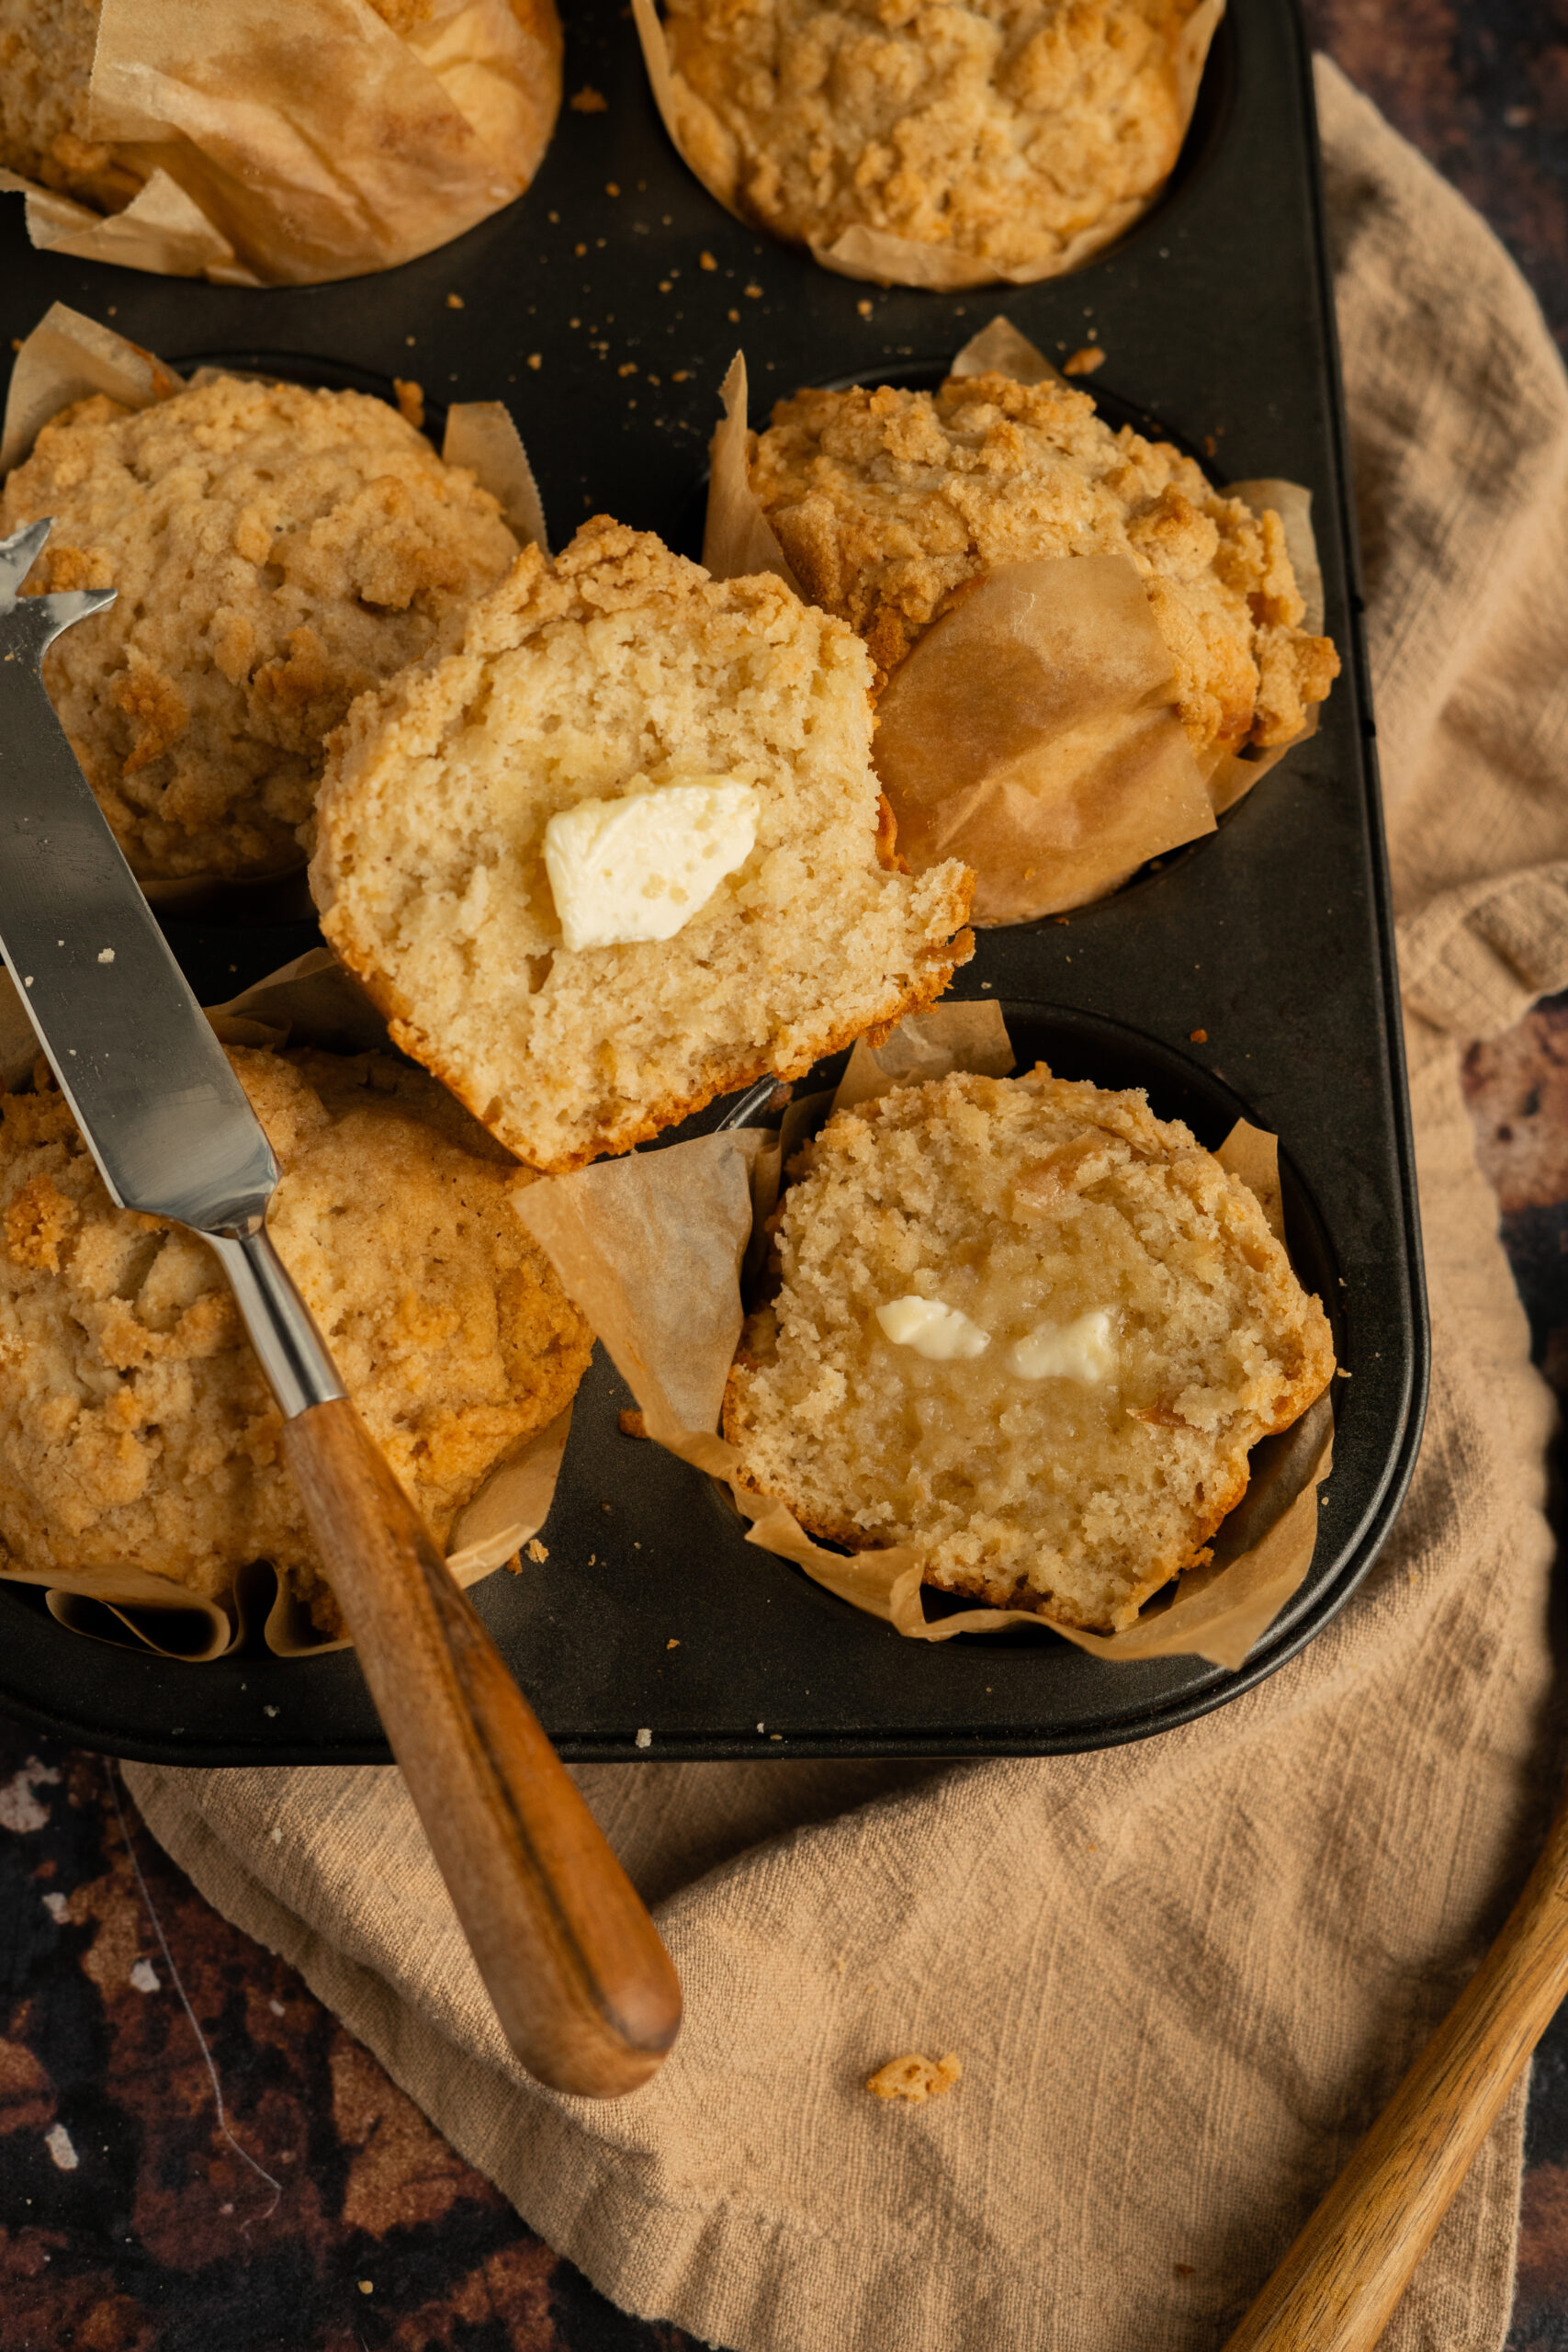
158, 1105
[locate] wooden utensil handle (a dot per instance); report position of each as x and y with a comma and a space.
1336, 2288
584, 1990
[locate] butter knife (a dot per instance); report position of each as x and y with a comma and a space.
583, 1986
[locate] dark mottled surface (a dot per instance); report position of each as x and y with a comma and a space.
146, 2224
1481, 86
322, 2215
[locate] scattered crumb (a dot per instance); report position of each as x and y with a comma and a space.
59, 1910
410, 400
277, 1835
106, 954
594, 1559
1211, 447
754, 292
915, 2078
579, 250
644, 1738
588, 100
1196, 1036
535, 360
734, 317
864, 307
454, 302
269, 1710
633, 1424
1084, 362
57, 2139
277, 2008
144, 1976
611, 188
535, 1549
681, 376
673, 1643
761, 1726
364, 2286
706, 261
627, 368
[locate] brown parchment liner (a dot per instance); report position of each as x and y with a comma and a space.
296, 145
67, 358
886, 259
312, 1001
1032, 731
651, 1248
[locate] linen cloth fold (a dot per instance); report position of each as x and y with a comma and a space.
1183, 1976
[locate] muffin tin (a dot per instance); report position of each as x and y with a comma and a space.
603, 307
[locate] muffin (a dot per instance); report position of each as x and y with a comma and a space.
623, 850
136, 1427
314, 148
889, 504
1010, 139
276, 551
46, 64
1027, 1328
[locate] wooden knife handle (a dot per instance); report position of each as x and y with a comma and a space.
585, 1991
1335, 2290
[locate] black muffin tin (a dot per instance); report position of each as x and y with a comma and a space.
1273, 938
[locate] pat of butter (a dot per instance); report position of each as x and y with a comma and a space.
933, 1330
642, 866
1079, 1351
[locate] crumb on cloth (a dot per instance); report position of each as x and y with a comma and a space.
915, 2078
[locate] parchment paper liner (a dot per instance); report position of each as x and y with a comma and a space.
67, 356
296, 146
889, 260
1032, 731
651, 1248
312, 1001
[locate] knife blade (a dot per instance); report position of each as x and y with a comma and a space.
583, 1986
166, 1117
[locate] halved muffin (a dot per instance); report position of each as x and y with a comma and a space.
1028, 1329
625, 851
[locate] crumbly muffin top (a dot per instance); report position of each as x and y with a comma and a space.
615, 672
46, 67
276, 551
136, 1427
887, 502
1133, 1329
46, 63
1001, 130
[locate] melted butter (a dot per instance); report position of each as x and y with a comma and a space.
1082, 1349
940, 1334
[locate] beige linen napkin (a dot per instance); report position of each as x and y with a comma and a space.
1181, 1975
